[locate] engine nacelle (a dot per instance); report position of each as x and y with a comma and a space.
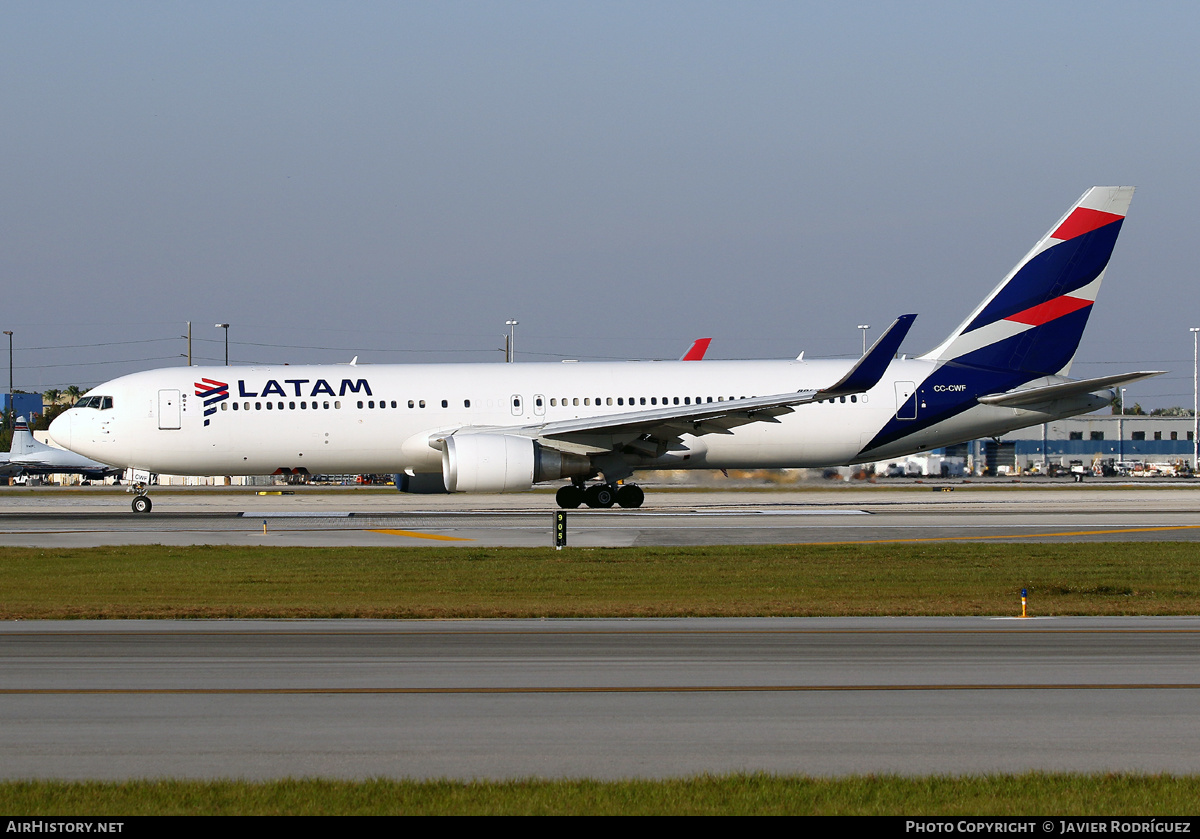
504, 463
421, 483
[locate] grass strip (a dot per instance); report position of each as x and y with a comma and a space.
1029, 794
1130, 578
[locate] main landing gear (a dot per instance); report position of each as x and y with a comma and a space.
141, 501
600, 496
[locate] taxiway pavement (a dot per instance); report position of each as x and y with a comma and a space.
597, 698
1051, 513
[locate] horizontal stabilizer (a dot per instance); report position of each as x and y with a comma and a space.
870, 368
1047, 393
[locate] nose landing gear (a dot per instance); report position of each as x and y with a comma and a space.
141, 501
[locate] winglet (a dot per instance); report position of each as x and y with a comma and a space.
870, 368
697, 350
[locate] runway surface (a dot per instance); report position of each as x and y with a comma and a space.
1053, 513
592, 698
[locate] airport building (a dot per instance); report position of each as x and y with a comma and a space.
27, 405
1099, 443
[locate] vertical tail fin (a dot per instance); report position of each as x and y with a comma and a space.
1034, 319
697, 350
22, 438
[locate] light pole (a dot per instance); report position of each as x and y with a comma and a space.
864, 327
512, 339
1195, 416
8, 332
225, 326
1121, 428
11, 406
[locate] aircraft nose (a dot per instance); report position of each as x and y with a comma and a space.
60, 428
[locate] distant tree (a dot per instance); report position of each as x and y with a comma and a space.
1135, 410
52, 396
1174, 411
73, 393
42, 423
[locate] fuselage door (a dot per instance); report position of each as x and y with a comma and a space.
906, 402
518, 405
168, 409
539, 404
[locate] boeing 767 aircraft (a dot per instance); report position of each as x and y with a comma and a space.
505, 427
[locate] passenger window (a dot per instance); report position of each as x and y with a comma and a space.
445, 404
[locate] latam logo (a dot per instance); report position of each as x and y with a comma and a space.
303, 387
212, 392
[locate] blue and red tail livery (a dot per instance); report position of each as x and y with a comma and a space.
1033, 320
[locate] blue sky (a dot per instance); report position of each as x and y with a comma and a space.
395, 180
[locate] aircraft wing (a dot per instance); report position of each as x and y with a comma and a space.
655, 429
7, 468
1063, 390
52, 461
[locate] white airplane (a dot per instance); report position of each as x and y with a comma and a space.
33, 458
505, 427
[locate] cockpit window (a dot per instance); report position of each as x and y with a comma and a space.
100, 403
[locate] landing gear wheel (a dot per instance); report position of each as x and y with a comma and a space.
569, 497
600, 495
630, 496
141, 504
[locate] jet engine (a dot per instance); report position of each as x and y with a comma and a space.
504, 463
